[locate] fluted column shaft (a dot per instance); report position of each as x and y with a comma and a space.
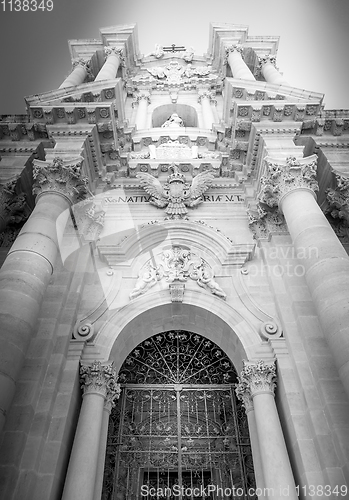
142, 100
97, 381
77, 76
237, 65
207, 113
101, 455
270, 72
258, 380
27, 269
325, 262
246, 398
111, 65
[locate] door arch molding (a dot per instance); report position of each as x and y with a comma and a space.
153, 313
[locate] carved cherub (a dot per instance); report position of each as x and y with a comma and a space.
176, 194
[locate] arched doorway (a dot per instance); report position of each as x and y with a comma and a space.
178, 430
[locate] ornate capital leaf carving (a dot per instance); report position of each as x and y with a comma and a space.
100, 379
285, 176
234, 48
207, 94
60, 176
113, 50
263, 223
243, 393
257, 378
338, 199
12, 205
267, 59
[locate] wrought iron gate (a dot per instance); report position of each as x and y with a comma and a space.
178, 439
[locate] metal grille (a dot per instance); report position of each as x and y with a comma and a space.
173, 440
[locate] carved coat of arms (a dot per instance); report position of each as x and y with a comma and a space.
176, 194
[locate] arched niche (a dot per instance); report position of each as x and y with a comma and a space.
186, 112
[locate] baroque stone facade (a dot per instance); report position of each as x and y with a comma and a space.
181, 216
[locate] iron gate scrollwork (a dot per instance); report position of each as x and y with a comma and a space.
178, 430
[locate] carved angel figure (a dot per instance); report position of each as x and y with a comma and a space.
147, 279
206, 280
176, 194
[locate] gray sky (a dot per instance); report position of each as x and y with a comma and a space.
313, 49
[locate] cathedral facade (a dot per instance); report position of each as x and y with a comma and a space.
174, 289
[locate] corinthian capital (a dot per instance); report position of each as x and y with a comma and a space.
113, 51
287, 175
207, 94
82, 62
267, 59
100, 379
145, 96
60, 176
234, 48
257, 378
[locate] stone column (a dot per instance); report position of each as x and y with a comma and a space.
238, 66
205, 99
259, 381
78, 75
142, 100
269, 71
98, 384
28, 267
291, 185
108, 405
111, 65
244, 394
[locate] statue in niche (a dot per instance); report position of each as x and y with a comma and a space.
173, 121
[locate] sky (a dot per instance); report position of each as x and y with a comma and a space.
313, 48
